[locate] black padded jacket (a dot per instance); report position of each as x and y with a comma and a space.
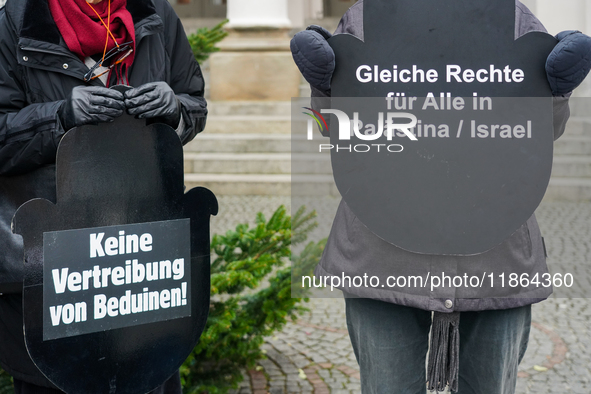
37, 73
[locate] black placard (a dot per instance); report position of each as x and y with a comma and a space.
118, 276
481, 158
121, 178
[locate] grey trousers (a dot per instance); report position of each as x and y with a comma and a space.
391, 343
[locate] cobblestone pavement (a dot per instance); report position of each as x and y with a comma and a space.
314, 354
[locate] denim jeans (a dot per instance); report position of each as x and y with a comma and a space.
391, 343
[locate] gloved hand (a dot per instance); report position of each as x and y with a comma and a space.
154, 100
569, 62
91, 105
313, 56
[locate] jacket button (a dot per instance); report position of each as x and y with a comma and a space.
65, 66
449, 304
26, 58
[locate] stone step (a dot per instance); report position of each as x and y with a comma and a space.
261, 108
260, 117
579, 110
242, 184
311, 164
257, 111
260, 124
267, 124
578, 125
579, 106
283, 142
257, 163
573, 145
577, 147
252, 143
238, 163
305, 90
287, 163
559, 189
314, 185
572, 166
264, 184
240, 143
568, 189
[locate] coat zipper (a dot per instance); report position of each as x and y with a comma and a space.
32, 49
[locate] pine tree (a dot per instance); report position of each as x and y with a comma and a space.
203, 41
251, 297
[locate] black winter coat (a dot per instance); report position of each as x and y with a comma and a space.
37, 73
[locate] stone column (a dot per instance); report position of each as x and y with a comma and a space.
266, 14
255, 62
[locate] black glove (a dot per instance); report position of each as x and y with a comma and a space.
156, 101
91, 105
313, 56
569, 62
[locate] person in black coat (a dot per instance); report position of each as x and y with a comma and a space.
58, 59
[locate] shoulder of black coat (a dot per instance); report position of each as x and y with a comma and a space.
33, 19
140, 9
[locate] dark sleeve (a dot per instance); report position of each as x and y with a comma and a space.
561, 112
186, 78
525, 22
351, 23
29, 133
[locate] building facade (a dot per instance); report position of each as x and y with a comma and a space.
556, 15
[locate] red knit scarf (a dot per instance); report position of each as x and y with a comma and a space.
85, 35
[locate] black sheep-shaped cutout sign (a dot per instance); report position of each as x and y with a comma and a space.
116, 287
482, 111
